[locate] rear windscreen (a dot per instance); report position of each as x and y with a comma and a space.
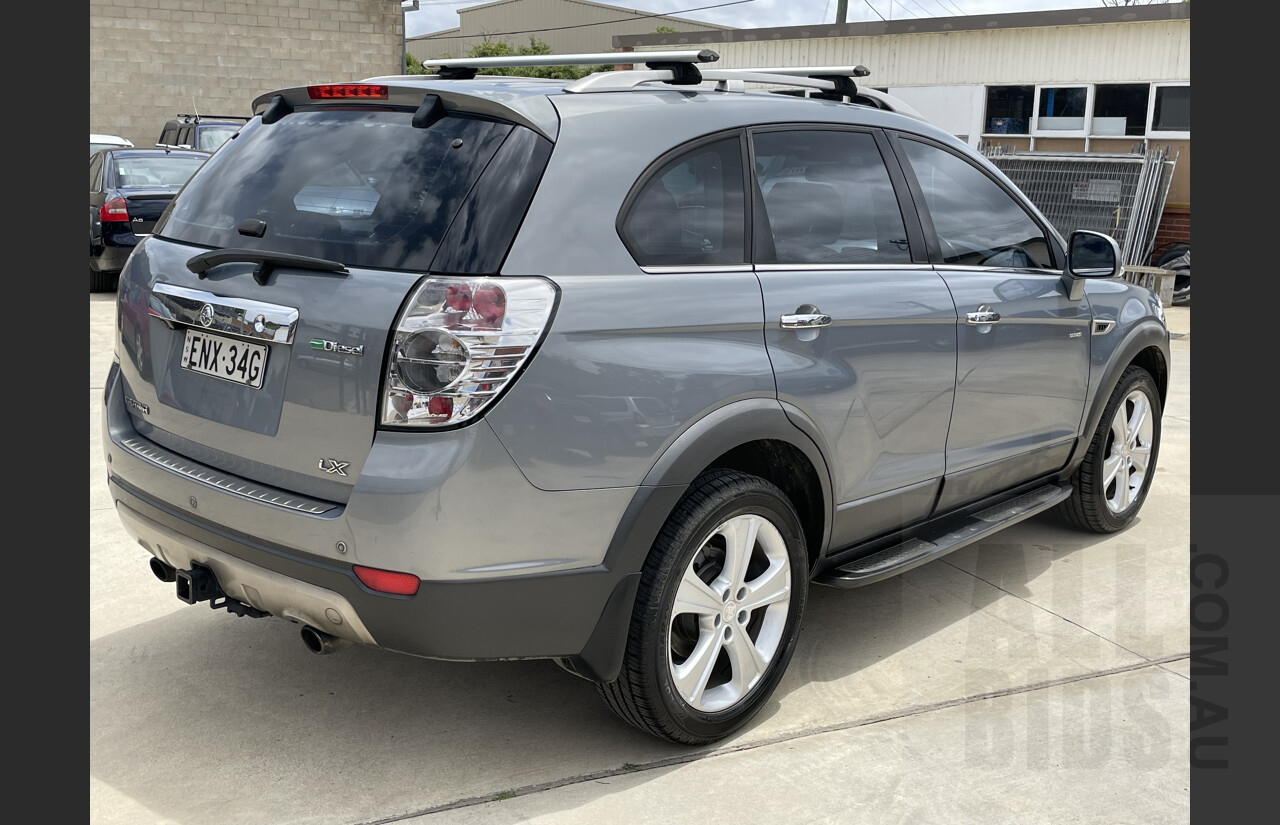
364, 187
154, 170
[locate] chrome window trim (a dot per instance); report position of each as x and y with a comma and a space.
241, 317
841, 267
1013, 270
694, 268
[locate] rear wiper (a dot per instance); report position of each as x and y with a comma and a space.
266, 261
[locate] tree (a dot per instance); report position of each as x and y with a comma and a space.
413, 65
500, 48
665, 30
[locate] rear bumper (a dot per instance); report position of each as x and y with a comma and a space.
111, 258
544, 616
468, 607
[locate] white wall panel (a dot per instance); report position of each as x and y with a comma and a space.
1125, 52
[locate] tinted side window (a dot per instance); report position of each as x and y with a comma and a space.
691, 212
977, 221
95, 167
828, 198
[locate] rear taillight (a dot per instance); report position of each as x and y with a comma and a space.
113, 210
458, 343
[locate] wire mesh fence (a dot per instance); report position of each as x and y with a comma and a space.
1121, 194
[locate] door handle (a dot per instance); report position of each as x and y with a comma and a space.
983, 315
805, 320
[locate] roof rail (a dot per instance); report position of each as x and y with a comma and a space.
680, 64
836, 79
215, 117
829, 83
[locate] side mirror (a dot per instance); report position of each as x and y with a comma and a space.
1089, 255
1093, 255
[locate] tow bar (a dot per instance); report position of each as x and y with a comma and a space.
199, 584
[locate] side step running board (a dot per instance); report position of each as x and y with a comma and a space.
916, 551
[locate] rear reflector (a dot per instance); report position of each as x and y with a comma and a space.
346, 91
387, 581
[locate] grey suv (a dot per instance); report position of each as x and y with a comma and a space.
378, 324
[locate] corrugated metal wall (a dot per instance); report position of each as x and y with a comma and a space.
546, 19
1126, 52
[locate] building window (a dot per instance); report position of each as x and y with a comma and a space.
1171, 109
1061, 108
1120, 109
1009, 110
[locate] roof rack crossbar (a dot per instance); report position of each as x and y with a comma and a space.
808, 71
604, 58
214, 117
728, 78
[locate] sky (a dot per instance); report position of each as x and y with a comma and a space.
434, 15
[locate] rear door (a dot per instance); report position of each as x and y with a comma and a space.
1023, 360
860, 328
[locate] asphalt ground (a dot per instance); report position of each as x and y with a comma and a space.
1041, 676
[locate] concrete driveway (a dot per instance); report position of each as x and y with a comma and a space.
1040, 677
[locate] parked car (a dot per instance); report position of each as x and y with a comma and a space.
97, 142
203, 132
128, 189
380, 318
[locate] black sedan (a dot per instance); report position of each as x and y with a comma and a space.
128, 189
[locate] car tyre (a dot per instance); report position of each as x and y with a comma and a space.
717, 612
1112, 482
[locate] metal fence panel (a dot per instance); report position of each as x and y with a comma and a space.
1122, 195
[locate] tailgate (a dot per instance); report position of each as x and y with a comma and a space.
275, 383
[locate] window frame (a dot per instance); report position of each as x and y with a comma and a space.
660, 164
1034, 130
762, 250
1151, 112
1083, 131
986, 102
1055, 241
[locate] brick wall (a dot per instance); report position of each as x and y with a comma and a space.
152, 59
1175, 226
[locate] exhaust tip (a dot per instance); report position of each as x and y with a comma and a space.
164, 572
321, 643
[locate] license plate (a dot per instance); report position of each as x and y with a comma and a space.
230, 359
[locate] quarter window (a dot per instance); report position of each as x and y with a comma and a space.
691, 212
1120, 109
977, 222
828, 199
